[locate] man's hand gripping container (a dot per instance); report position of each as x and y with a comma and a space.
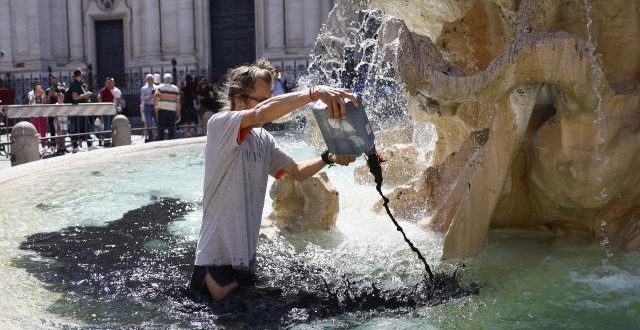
350, 136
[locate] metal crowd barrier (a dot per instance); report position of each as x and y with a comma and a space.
57, 110
79, 122
83, 111
79, 125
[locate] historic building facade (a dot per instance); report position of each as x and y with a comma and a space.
118, 37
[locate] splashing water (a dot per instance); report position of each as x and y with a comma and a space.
352, 58
148, 291
604, 241
137, 263
438, 287
600, 115
373, 161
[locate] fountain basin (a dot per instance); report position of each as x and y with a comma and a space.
526, 279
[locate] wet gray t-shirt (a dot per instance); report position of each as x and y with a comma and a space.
235, 185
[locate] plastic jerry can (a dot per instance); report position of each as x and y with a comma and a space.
351, 136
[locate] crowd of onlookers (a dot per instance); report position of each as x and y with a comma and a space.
164, 105
165, 109
79, 127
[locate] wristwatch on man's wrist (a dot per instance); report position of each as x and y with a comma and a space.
325, 158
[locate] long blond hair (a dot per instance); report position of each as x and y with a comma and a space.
241, 81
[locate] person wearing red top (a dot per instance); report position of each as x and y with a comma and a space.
38, 96
106, 94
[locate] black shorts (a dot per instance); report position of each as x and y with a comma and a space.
222, 274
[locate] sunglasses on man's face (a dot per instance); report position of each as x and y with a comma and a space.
257, 99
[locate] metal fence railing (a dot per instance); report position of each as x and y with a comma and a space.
293, 68
101, 138
80, 122
128, 82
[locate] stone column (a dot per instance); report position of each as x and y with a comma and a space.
76, 42
57, 32
325, 8
6, 43
25, 143
312, 22
274, 26
32, 43
121, 131
20, 29
151, 31
186, 30
43, 28
169, 28
136, 30
294, 24
202, 35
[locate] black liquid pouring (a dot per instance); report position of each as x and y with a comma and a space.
373, 161
353, 136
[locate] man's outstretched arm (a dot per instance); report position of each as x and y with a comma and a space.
278, 106
306, 169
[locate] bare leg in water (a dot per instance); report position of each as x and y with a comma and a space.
217, 291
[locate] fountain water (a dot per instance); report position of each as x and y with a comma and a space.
132, 249
352, 58
104, 257
77, 250
600, 159
558, 167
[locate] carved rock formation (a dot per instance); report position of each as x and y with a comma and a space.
402, 163
536, 106
302, 205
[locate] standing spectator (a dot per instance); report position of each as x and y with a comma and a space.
196, 101
167, 105
109, 93
61, 125
104, 95
79, 124
52, 98
118, 100
37, 96
148, 113
189, 116
207, 100
280, 84
156, 80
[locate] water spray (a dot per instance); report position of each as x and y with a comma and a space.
373, 161
353, 136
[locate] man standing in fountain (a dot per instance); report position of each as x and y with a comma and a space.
239, 156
